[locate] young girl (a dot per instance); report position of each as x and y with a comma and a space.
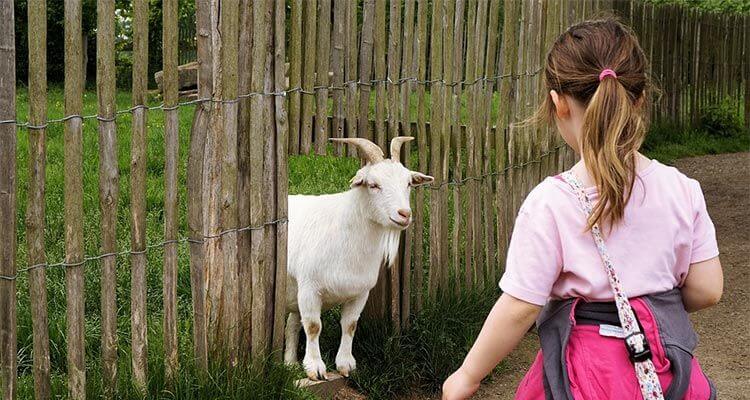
656, 246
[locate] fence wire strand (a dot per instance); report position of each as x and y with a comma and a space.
345, 86
283, 93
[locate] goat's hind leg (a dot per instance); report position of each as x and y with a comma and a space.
292, 338
309, 309
345, 362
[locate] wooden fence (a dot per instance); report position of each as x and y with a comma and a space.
458, 75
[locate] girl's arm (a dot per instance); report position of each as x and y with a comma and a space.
703, 286
508, 321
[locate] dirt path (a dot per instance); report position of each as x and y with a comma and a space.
724, 331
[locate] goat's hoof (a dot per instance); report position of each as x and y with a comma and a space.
315, 369
345, 365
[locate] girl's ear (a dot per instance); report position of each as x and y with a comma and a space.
562, 109
418, 178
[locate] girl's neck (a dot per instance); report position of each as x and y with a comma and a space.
642, 162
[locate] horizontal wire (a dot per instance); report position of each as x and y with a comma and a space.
345, 86
147, 248
205, 238
504, 171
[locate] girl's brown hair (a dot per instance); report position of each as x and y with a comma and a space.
615, 121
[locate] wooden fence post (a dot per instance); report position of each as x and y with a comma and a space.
282, 179
196, 158
365, 68
109, 186
229, 326
73, 179
421, 62
262, 201
295, 72
380, 73
408, 71
308, 75
171, 216
35, 211
338, 39
8, 344
322, 63
138, 160
243, 168
436, 115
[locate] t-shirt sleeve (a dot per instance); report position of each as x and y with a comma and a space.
704, 234
534, 256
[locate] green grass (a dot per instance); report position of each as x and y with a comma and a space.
667, 144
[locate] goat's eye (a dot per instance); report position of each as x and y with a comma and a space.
374, 186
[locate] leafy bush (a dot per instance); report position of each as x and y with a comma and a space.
721, 120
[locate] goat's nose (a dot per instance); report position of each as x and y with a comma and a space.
404, 213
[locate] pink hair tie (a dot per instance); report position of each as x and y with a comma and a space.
607, 72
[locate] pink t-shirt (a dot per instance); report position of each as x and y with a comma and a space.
665, 229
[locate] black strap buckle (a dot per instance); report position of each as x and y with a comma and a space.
635, 354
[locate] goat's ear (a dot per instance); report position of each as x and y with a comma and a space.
418, 179
357, 181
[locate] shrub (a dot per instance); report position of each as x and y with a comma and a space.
721, 120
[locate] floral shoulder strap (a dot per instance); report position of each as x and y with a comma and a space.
635, 340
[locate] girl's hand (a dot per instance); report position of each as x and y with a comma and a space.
459, 386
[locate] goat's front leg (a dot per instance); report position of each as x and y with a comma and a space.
309, 309
345, 362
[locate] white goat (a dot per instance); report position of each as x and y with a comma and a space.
337, 243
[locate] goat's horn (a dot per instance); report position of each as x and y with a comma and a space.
371, 152
396, 146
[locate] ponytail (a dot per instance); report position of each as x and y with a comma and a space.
612, 134
600, 64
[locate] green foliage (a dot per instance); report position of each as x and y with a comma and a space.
733, 6
722, 119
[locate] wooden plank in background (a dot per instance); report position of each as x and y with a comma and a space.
73, 201
422, 145
8, 241
478, 133
35, 211
109, 186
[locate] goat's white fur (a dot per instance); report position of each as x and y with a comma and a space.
337, 244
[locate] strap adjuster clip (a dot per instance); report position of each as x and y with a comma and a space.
638, 353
